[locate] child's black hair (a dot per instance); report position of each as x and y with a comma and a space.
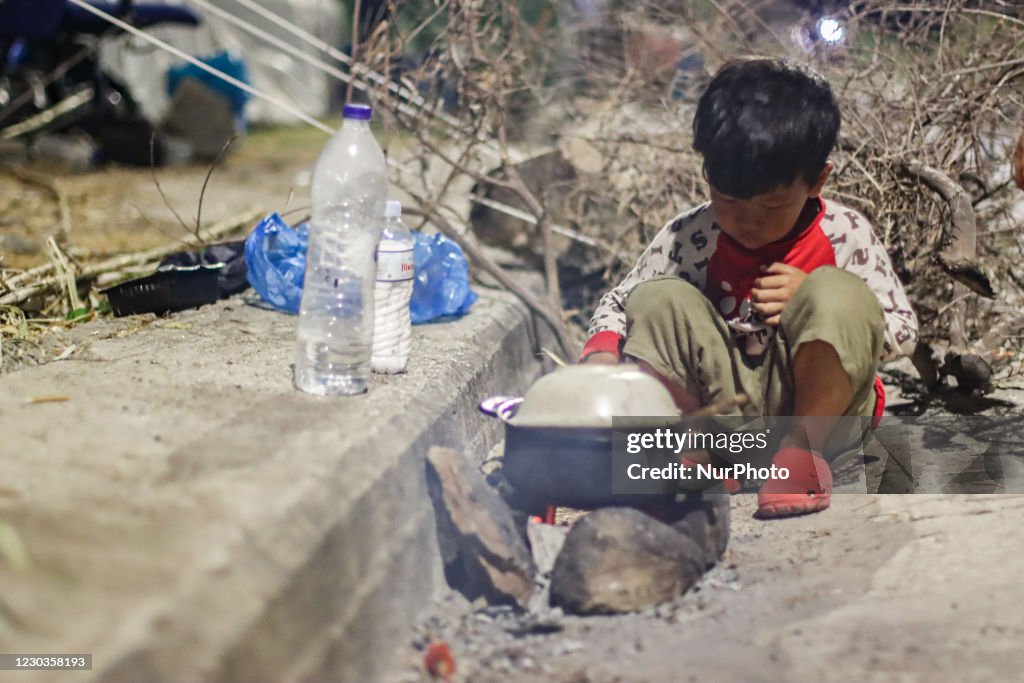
762, 124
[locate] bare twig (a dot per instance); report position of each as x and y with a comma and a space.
206, 181
156, 181
53, 185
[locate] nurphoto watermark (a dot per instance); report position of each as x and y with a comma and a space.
891, 455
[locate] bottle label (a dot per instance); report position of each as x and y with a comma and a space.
394, 266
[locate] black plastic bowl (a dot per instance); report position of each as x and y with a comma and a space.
171, 288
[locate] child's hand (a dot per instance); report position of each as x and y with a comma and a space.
774, 289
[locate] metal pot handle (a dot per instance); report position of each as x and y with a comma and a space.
501, 407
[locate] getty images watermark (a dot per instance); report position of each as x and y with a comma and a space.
657, 456
937, 453
682, 439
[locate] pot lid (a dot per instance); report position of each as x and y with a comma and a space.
591, 395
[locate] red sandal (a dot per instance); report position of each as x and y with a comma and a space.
807, 489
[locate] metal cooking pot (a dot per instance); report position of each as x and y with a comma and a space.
558, 437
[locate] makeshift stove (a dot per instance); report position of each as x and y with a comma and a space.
498, 536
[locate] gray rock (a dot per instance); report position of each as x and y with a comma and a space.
705, 519
972, 372
484, 552
618, 560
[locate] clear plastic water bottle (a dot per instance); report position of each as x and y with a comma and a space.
335, 333
392, 323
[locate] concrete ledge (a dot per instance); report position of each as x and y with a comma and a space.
190, 517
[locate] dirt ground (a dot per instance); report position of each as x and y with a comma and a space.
877, 588
114, 210
891, 587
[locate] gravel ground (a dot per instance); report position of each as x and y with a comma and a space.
877, 588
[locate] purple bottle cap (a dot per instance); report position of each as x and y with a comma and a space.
359, 112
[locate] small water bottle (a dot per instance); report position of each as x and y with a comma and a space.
335, 334
392, 322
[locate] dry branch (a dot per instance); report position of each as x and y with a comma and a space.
931, 104
476, 254
1018, 162
959, 257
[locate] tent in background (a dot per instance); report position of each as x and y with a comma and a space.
143, 67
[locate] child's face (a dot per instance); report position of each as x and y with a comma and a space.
764, 218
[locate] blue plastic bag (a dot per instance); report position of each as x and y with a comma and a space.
275, 260
441, 288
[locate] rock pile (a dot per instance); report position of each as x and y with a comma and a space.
614, 560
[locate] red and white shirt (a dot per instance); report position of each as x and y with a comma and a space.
693, 248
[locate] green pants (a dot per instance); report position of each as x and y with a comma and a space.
672, 326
